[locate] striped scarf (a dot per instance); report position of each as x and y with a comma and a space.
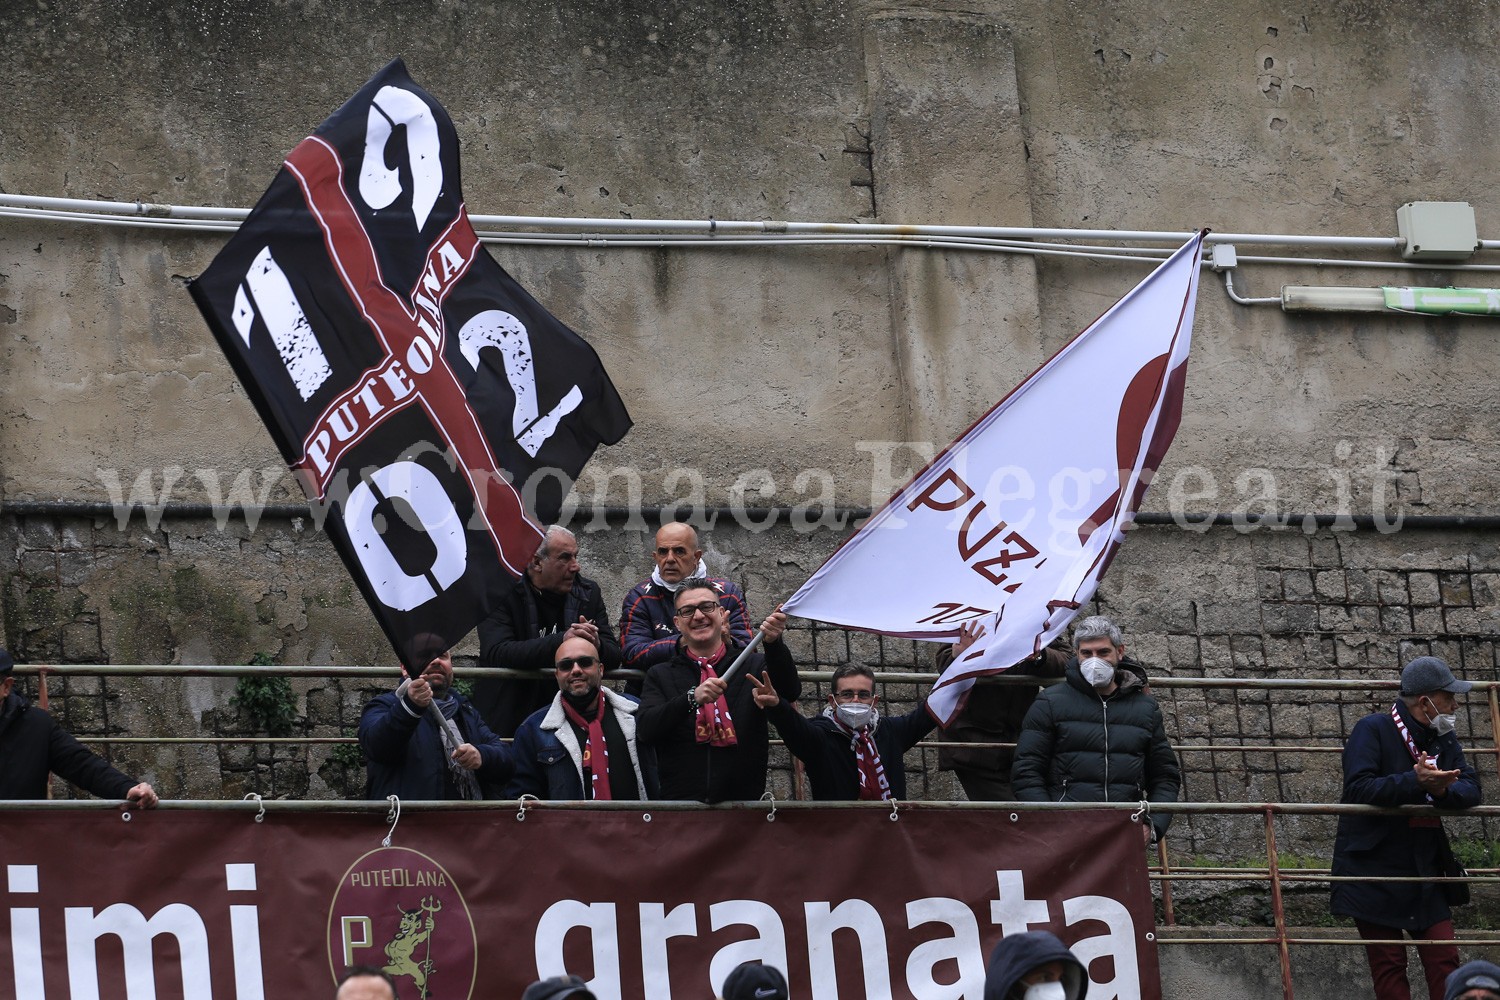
713, 724
595, 749
873, 784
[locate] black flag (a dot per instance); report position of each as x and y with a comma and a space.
433, 408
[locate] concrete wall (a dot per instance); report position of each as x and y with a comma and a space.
816, 365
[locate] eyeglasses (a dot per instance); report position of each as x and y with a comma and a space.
569, 662
707, 608
854, 696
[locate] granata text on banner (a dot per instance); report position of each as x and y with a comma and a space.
475, 903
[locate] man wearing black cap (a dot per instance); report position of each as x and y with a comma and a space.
1476, 980
1408, 755
754, 981
32, 744
558, 988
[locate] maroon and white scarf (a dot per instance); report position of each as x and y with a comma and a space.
595, 750
713, 724
1411, 748
873, 784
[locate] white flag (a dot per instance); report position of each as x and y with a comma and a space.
1016, 521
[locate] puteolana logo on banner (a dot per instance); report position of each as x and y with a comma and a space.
399, 910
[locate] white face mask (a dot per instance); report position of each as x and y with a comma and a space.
854, 715
1097, 672
1045, 991
1443, 723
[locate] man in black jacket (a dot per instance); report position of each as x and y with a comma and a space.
32, 744
850, 751
1098, 736
529, 618
712, 742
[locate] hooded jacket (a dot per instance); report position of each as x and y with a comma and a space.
1018, 954
1079, 746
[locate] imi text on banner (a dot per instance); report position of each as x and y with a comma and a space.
433, 411
1015, 522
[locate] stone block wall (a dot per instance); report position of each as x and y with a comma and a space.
1216, 603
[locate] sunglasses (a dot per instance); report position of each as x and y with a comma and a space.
568, 663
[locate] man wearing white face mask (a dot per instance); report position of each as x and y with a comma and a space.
1035, 965
1408, 755
850, 751
1098, 736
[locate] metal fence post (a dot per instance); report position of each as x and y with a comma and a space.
1277, 910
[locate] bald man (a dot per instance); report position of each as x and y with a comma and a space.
648, 631
365, 982
583, 745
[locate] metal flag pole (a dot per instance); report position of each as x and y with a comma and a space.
754, 644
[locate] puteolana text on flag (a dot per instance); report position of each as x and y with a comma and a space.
433, 408
1014, 523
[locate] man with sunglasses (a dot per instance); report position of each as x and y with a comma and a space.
711, 740
583, 745
850, 752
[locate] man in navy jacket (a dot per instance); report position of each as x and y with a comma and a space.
410, 756
582, 746
1408, 755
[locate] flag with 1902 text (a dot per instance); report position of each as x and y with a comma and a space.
434, 409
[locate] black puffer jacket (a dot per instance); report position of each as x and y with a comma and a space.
1078, 747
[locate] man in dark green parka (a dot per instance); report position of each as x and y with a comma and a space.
1098, 736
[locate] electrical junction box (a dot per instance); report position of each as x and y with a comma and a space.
1437, 230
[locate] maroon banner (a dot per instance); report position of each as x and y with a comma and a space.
476, 904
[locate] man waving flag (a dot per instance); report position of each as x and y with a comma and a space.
1015, 522
430, 406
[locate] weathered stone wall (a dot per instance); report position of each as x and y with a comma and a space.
813, 365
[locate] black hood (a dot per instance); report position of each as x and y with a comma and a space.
1018, 954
